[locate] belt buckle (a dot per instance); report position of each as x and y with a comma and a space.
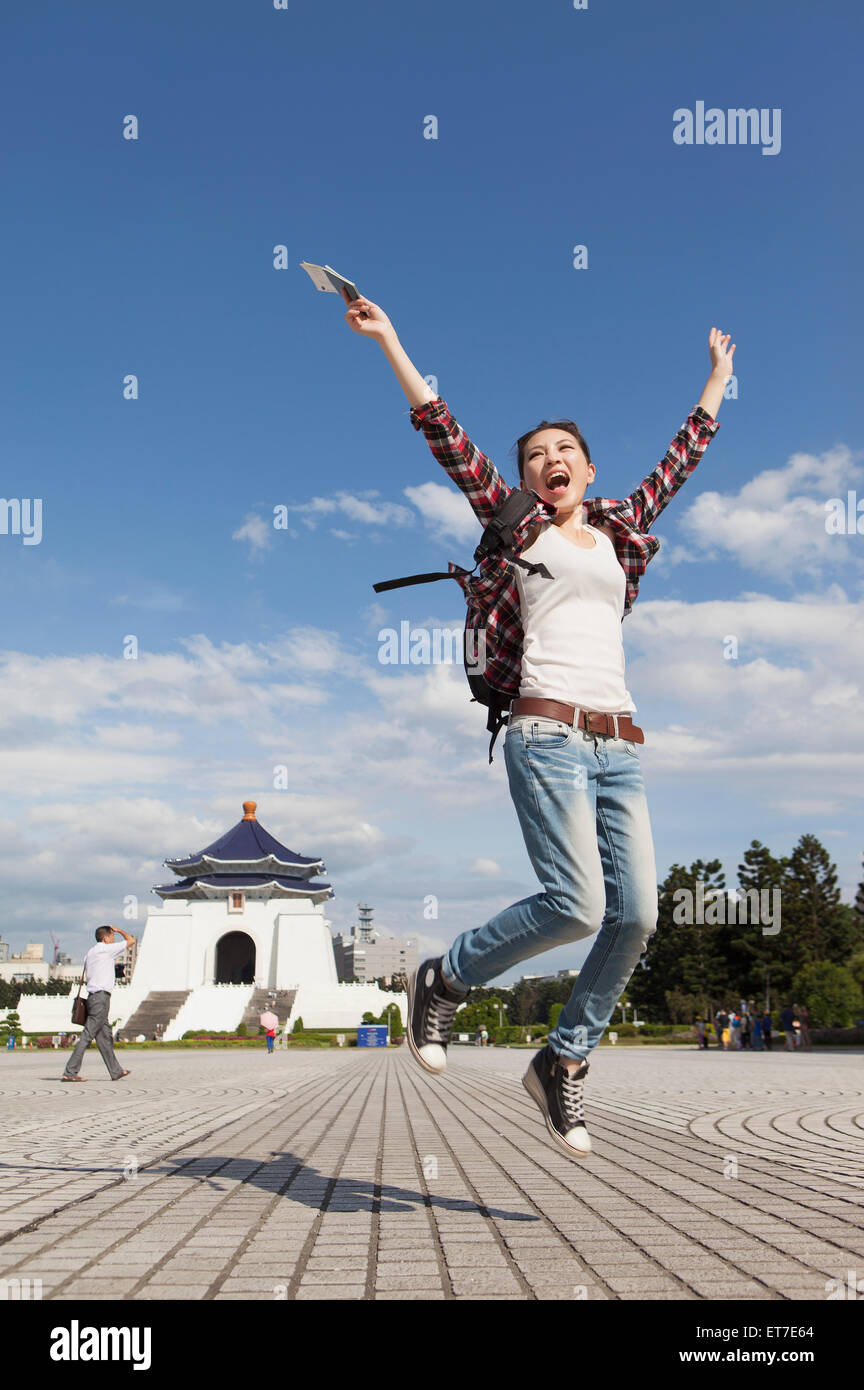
610, 723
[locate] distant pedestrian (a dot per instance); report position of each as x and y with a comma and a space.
746, 1029
269, 1022
700, 1031
756, 1035
721, 1019
804, 1020
787, 1022
735, 1025
766, 1030
99, 979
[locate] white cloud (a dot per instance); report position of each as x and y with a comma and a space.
257, 531
762, 722
486, 868
154, 600
115, 764
365, 507
446, 511
205, 682
775, 523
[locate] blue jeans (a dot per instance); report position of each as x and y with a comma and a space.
581, 804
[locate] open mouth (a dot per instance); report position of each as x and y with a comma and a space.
557, 481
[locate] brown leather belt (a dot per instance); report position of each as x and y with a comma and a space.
589, 720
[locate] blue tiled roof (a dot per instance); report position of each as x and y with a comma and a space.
246, 840
183, 886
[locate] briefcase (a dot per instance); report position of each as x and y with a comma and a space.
79, 1006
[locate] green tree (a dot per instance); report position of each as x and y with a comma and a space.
762, 964
822, 928
554, 1015
859, 903
298, 1024
682, 1007
684, 954
10, 1026
480, 1013
831, 993
855, 963
392, 1017
524, 1003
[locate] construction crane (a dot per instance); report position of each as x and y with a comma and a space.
55, 958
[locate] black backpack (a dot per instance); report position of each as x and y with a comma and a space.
497, 540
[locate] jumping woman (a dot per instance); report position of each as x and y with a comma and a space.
571, 747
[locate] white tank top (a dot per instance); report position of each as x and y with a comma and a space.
572, 624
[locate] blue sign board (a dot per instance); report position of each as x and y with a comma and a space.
372, 1035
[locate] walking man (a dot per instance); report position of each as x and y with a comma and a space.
99, 979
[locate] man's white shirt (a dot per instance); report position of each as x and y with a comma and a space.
99, 965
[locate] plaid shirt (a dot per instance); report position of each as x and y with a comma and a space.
492, 594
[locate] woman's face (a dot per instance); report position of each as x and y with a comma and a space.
555, 467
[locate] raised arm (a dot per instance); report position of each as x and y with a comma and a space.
370, 321
691, 441
470, 469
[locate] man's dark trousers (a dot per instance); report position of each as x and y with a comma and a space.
96, 1028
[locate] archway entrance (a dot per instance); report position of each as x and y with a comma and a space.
235, 959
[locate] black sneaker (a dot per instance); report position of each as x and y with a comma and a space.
559, 1094
432, 1005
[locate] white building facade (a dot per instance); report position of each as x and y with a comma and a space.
243, 920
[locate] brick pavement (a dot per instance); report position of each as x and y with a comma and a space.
354, 1175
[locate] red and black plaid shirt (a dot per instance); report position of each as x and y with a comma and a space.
492, 594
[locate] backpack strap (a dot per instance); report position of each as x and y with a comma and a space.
482, 693
497, 539
496, 722
420, 579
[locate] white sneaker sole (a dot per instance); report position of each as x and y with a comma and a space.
532, 1085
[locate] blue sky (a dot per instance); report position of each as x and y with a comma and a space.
303, 128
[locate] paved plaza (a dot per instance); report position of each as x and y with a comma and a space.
352, 1174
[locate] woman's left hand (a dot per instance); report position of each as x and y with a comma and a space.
721, 353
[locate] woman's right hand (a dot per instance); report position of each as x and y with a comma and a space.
367, 319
